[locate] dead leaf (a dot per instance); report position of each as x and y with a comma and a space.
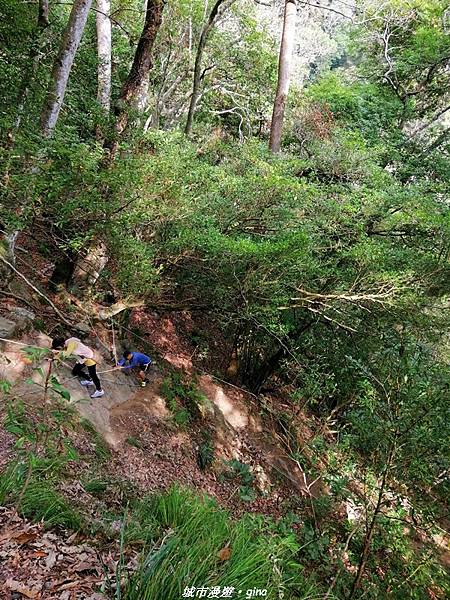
70, 585
21, 537
16, 586
224, 554
51, 559
84, 566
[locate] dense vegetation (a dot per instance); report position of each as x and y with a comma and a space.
325, 266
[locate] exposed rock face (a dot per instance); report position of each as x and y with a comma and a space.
7, 328
19, 319
22, 317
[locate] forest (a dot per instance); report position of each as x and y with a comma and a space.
255, 194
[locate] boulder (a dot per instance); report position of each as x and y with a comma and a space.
82, 328
7, 329
22, 317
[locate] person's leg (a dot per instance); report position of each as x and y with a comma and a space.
78, 371
93, 375
142, 374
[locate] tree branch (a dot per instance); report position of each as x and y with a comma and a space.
57, 311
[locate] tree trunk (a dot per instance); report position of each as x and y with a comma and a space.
284, 74
142, 64
63, 65
266, 370
43, 13
62, 272
88, 269
198, 64
103, 23
257, 378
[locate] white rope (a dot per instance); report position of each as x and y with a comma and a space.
113, 342
22, 344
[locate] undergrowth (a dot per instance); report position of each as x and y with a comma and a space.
196, 543
241, 473
183, 399
101, 448
37, 499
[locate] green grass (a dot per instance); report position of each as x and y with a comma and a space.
188, 533
133, 441
96, 487
39, 501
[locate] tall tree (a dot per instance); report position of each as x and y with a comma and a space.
103, 23
284, 74
63, 65
198, 60
142, 64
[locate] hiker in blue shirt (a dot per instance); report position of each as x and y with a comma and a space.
138, 362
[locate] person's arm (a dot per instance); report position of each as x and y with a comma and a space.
122, 364
70, 348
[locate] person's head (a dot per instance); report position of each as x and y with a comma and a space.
58, 343
127, 354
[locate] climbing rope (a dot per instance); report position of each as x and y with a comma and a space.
22, 344
113, 342
66, 379
115, 368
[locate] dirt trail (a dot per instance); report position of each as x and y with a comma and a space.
123, 395
122, 392
126, 408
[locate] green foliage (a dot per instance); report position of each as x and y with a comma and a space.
37, 498
205, 453
192, 532
43, 453
183, 398
241, 473
5, 386
360, 106
314, 547
326, 267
